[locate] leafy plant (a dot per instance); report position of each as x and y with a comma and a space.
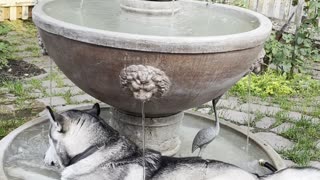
5, 53
274, 84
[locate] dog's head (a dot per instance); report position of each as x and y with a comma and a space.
72, 132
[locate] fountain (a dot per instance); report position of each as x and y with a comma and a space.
166, 54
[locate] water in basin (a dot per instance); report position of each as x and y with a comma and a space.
193, 19
24, 157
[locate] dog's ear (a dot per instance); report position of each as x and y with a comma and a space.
95, 110
54, 119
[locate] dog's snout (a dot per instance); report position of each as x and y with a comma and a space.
52, 163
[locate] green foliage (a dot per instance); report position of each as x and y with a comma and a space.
274, 84
15, 87
305, 134
6, 126
5, 53
4, 28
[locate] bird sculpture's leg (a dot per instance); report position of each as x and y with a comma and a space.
202, 149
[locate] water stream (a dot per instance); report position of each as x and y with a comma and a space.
50, 85
143, 139
249, 118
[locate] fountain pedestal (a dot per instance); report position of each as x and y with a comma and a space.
162, 133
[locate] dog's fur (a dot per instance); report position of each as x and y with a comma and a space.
87, 148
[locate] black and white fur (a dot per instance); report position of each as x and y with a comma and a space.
87, 148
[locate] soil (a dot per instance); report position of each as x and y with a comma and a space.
19, 69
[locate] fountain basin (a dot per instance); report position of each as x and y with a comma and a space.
22, 151
201, 62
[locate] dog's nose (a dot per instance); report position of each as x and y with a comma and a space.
52, 163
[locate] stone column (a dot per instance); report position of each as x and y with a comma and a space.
161, 134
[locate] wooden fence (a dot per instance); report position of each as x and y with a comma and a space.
16, 9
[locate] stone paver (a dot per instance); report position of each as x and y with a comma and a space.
73, 106
228, 103
315, 164
83, 98
46, 84
56, 101
63, 90
282, 128
204, 110
265, 123
68, 82
235, 116
277, 142
253, 108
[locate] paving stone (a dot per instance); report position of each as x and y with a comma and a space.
68, 82
83, 98
268, 110
46, 84
296, 116
36, 94
4, 90
39, 77
275, 141
282, 128
265, 122
318, 144
289, 163
63, 90
56, 101
228, 103
315, 164
72, 106
7, 108
235, 116
204, 110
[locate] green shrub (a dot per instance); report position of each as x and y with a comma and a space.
274, 84
5, 53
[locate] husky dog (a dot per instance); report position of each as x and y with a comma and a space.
87, 148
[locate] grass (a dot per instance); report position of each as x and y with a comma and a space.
306, 135
6, 126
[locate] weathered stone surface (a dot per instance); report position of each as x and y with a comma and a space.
83, 98
36, 95
204, 110
68, 82
315, 164
73, 106
282, 128
56, 101
46, 84
246, 128
269, 110
7, 108
289, 163
318, 144
63, 90
277, 142
235, 116
230, 103
265, 123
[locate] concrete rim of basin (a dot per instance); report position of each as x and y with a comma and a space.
165, 44
277, 160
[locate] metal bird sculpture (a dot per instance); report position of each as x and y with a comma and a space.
207, 135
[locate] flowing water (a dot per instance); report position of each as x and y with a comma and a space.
50, 85
249, 108
143, 140
189, 21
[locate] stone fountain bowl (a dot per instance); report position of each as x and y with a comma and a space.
22, 151
197, 69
